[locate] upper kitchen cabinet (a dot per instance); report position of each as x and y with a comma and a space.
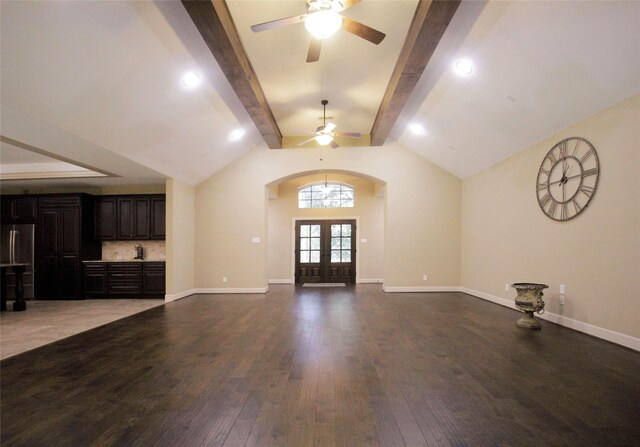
157, 222
19, 209
106, 218
133, 217
130, 217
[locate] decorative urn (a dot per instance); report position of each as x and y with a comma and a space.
529, 300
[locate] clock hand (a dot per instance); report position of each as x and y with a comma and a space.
574, 176
565, 180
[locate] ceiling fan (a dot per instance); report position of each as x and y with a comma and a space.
325, 134
323, 20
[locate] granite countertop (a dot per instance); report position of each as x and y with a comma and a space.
126, 260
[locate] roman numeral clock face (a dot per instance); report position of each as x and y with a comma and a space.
568, 178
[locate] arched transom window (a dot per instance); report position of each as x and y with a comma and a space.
326, 195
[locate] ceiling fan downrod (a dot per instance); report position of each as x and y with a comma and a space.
324, 103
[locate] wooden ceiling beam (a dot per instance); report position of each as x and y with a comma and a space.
213, 21
427, 28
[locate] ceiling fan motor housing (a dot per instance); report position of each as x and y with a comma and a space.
324, 5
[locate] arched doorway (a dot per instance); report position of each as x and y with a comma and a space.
290, 225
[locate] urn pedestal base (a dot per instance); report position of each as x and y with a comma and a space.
528, 322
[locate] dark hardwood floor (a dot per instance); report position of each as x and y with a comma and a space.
323, 367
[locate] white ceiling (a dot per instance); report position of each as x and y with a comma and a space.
559, 62
18, 163
110, 73
13, 155
100, 81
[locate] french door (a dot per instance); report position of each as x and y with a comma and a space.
325, 251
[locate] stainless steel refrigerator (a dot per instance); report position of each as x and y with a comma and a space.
17, 246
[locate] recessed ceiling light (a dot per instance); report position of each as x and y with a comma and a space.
417, 129
236, 135
464, 67
191, 79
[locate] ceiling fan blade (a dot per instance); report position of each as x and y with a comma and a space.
349, 3
334, 145
278, 23
348, 134
362, 30
329, 128
306, 141
314, 50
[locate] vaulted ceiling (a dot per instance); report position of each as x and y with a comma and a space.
99, 83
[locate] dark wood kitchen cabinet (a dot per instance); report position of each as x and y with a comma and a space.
133, 218
124, 279
157, 214
153, 278
106, 218
64, 237
95, 279
19, 209
130, 217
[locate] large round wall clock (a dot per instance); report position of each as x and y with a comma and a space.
568, 179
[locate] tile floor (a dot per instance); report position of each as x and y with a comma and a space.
47, 321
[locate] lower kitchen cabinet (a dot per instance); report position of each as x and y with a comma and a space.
95, 278
153, 278
124, 279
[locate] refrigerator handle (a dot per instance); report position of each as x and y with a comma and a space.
12, 240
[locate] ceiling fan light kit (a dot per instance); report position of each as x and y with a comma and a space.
323, 24
324, 134
322, 20
323, 139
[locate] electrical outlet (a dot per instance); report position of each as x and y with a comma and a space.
425, 277
224, 279
562, 299
506, 287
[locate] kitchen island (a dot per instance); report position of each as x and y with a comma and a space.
19, 304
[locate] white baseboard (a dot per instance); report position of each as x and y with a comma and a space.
280, 281
494, 299
370, 281
233, 290
402, 289
596, 331
180, 295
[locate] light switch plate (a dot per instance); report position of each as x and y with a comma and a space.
255, 240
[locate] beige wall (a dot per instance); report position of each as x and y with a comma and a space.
368, 209
422, 219
506, 238
180, 241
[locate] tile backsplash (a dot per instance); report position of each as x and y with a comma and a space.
122, 250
